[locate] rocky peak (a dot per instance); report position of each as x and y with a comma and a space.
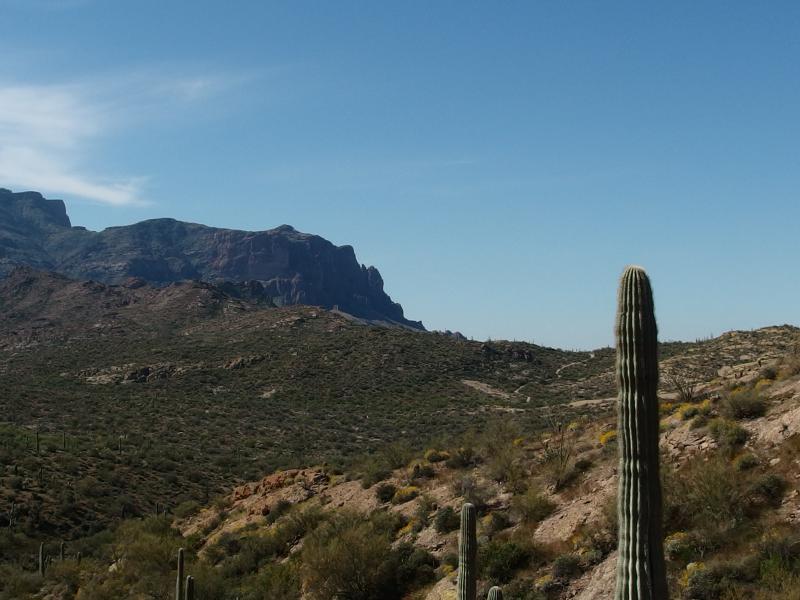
32, 210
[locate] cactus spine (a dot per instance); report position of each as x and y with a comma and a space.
467, 554
189, 588
495, 594
640, 566
179, 580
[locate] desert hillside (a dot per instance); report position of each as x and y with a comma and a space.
384, 525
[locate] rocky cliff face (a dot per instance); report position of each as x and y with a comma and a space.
281, 264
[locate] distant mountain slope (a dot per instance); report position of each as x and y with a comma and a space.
284, 265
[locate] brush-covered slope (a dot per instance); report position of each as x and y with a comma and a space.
386, 528
283, 265
145, 394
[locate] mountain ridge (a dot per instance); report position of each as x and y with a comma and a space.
291, 267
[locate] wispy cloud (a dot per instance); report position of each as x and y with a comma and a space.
47, 132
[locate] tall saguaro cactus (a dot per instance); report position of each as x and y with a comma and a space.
179, 579
41, 559
467, 554
640, 564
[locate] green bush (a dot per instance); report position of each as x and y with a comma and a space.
566, 566
405, 494
744, 404
351, 557
446, 520
745, 462
531, 507
279, 580
770, 488
276, 512
186, 509
522, 590
706, 495
499, 560
385, 492
728, 435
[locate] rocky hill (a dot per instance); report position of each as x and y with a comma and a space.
281, 265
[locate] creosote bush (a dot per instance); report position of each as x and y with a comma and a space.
743, 404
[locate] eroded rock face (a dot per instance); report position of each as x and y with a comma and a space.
280, 265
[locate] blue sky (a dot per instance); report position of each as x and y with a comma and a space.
500, 163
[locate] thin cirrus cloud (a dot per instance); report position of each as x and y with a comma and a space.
47, 131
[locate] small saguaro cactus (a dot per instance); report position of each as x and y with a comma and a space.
179, 579
41, 559
61, 551
189, 588
495, 594
640, 565
467, 554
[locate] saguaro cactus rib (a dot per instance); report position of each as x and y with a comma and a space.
640, 564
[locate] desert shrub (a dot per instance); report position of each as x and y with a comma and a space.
687, 411
710, 582
472, 492
790, 366
783, 545
281, 508
705, 494
280, 580
17, 583
743, 404
683, 546
422, 471
345, 558
499, 560
531, 506
446, 520
411, 567
462, 458
496, 521
405, 494
728, 435
769, 373
434, 456
770, 488
373, 471
450, 560
559, 448
745, 462
608, 437
351, 557
698, 422
186, 509
505, 465
583, 464
566, 566
522, 590
385, 492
